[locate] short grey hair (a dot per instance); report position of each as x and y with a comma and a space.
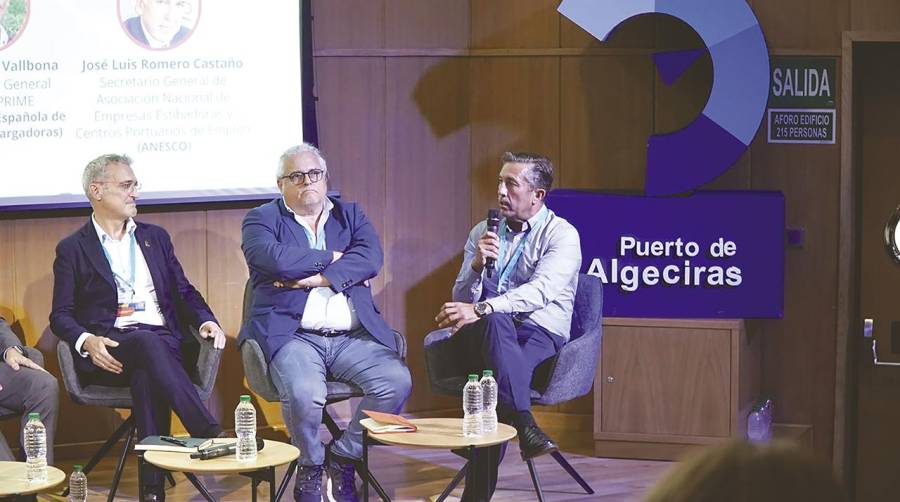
96, 169
540, 174
293, 151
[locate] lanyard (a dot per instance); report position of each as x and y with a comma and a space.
517, 252
120, 279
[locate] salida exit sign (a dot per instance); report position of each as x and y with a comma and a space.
802, 100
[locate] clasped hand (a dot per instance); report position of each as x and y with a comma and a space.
455, 315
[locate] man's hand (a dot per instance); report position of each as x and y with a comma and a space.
488, 246
455, 315
15, 360
95, 346
212, 330
313, 281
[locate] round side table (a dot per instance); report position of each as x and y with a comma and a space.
15, 483
273, 454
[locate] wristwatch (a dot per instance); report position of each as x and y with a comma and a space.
481, 308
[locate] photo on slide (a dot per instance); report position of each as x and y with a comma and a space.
159, 24
13, 18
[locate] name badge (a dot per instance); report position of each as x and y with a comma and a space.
127, 309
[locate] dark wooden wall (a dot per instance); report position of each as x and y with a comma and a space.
417, 101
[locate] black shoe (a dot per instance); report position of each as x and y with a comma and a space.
534, 443
154, 493
308, 487
341, 485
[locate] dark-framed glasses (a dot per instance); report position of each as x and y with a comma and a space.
126, 186
296, 177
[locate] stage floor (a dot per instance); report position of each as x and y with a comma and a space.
417, 474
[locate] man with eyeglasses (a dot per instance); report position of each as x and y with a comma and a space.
122, 302
159, 23
311, 258
516, 314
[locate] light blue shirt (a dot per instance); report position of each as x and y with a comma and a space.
541, 288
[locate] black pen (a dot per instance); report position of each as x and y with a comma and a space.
170, 439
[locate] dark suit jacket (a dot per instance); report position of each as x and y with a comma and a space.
276, 248
84, 291
133, 26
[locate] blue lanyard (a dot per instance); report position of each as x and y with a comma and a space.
514, 259
132, 259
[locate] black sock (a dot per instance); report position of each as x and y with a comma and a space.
523, 419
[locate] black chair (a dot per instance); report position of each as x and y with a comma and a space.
6, 413
259, 378
557, 380
204, 378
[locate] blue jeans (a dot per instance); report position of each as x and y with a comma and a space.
299, 371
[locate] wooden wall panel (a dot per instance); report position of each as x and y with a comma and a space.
514, 24
227, 273
803, 24
515, 106
606, 117
421, 24
874, 15
351, 131
634, 33
348, 24
428, 173
798, 351
7, 271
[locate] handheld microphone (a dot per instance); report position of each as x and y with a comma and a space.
222, 450
493, 223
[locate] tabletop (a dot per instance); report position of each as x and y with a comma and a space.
444, 433
274, 453
14, 482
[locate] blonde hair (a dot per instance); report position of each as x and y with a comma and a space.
738, 471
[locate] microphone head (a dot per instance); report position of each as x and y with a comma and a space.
493, 219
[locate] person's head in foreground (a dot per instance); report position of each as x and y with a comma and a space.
739, 471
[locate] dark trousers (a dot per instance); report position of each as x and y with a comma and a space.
152, 368
512, 350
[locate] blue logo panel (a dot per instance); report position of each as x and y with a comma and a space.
715, 140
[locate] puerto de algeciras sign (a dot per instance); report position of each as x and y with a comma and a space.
707, 254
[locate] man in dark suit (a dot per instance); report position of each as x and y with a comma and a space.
121, 300
25, 387
310, 260
158, 24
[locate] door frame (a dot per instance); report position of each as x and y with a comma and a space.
844, 449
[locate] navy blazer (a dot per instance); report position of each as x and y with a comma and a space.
84, 291
276, 248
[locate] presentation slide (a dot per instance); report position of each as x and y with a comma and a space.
203, 95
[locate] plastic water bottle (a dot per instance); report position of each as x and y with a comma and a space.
473, 403
77, 485
489, 413
768, 410
757, 430
245, 427
35, 449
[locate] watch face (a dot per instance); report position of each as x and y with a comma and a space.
480, 308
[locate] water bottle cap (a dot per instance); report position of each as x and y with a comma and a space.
77, 468
34, 416
245, 398
473, 378
488, 373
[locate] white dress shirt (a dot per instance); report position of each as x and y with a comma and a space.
118, 253
325, 309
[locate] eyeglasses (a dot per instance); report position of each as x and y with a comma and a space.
129, 186
296, 177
